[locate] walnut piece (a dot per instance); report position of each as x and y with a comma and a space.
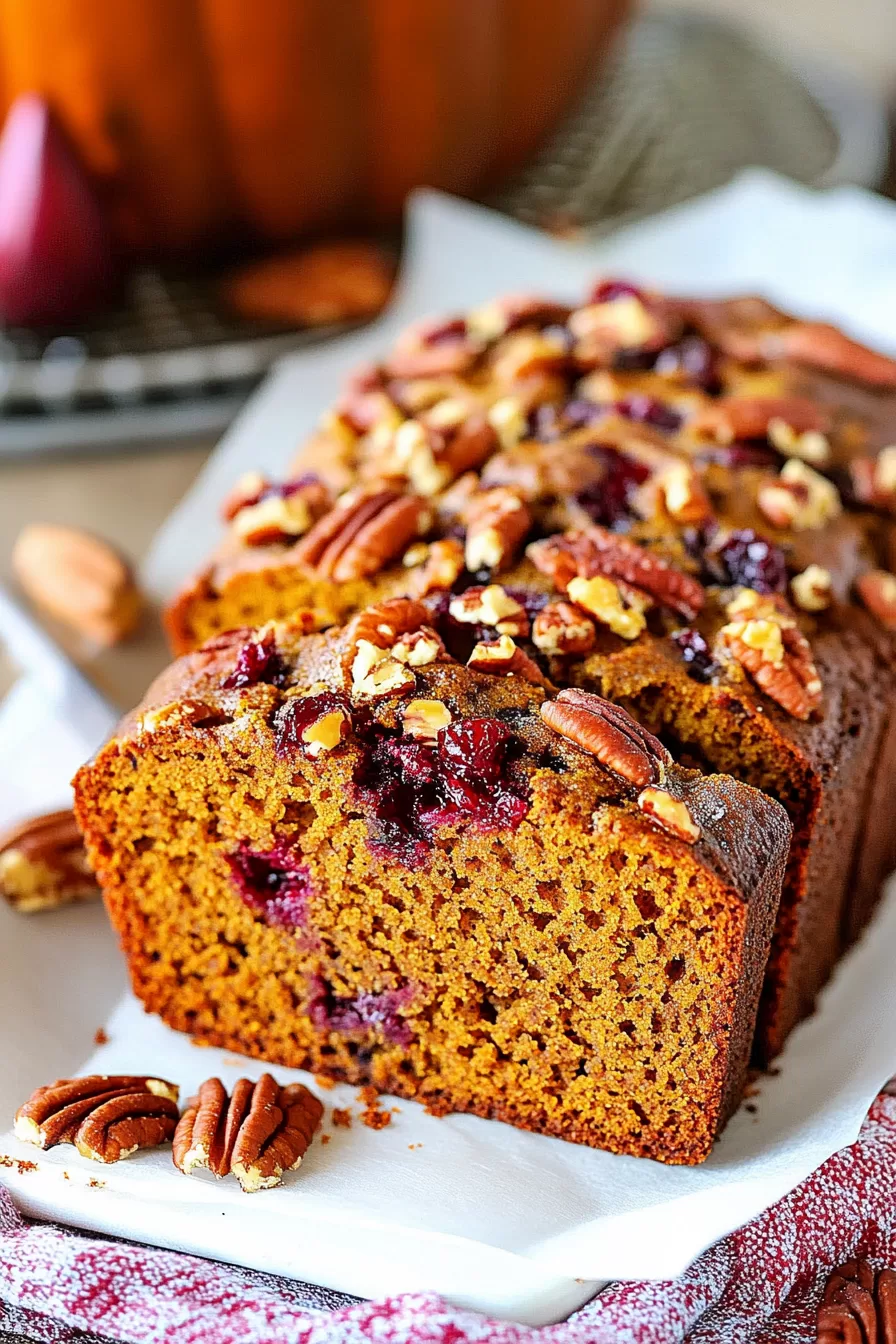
43, 864
384, 642
79, 579
106, 1118
502, 658
607, 732
800, 498
256, 1134
490, 606
603, 598
434, 568
812, 589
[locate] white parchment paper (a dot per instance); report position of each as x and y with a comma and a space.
495, 1218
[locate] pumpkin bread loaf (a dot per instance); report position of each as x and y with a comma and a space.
690, 505
348, 852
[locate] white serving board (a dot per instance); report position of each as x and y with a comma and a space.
511, 1223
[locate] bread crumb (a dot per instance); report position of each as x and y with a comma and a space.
19, 1164
372, 1116
323, 1081
340, 1118
325, 1138
100, 1036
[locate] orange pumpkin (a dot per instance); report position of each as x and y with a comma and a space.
205, 118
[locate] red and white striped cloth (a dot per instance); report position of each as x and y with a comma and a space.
761, 1284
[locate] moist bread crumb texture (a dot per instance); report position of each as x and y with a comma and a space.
484, 922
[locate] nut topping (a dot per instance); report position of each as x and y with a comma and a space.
436, 567
670, 813
79, 579
363, 532
256, 1134
603, 599
606, 731
385, 642
273, 519
561, 628
507, 417
497, 522
491, 606
731, 418
595, 551
43, 864
825, 347
874, 479
812, 589
801, 498
502, 658
877, 589
441, 445
424, 719
684, 495
809, 446
766, 642
107, 1118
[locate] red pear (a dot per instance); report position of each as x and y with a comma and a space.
56, 258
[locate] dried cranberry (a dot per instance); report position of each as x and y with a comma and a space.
273, 884
747, 559
473, 750
291, 719
648, 411
608, 503
608, 290
257, 661
692, 357
701, 665
363, 1012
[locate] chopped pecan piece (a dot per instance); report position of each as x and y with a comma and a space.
491, 606
436, 567
604, 599
424, 719
812, 588
512, 311
800, 498
524, 353
874, 479
363, 532
732, 418
509, 420
106, 1118
384, 642
877, 589
766, 642
609, 733
430, 348
502, 658
595, 550
43, 864
858, 1306
684, 494
623, 322
670, 813
441, 445
497, 523
561, 628
256, 1134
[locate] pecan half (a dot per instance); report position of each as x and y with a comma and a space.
561, 628
670, 813
497, 523
43, 864
79, 579
769, 646
595, 550
731, 418
877, 589
363, 533
106, 1118
858, 1306
606, 731
256, 1134
826, 347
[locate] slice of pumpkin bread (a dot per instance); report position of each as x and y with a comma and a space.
349, 853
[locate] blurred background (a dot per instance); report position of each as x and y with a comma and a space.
190, 188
